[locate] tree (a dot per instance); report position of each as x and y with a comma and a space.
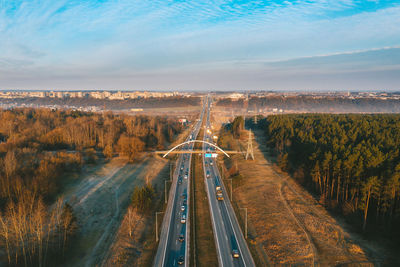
68, 224
130, 219
237, 126
371, 187
10, 166
338, 155
142, 198
108, 151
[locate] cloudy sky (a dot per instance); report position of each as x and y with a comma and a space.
200, 45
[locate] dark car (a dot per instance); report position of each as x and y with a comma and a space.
180, 181
181, 238
181, 260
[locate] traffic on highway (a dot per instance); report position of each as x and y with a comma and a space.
232, 249
173, 248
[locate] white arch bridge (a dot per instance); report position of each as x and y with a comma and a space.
174, 151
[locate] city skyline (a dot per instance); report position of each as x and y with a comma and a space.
186, 45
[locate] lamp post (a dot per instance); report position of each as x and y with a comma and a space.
165, 189
157, 212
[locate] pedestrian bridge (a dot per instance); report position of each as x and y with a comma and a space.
174, 151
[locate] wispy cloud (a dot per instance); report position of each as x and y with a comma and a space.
117, 38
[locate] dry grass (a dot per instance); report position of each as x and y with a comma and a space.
206, 254
285, 220
139, 249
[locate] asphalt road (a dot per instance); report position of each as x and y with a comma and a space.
170, 248
227, 233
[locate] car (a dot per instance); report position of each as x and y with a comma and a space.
235, 253
181, 238
180, 181
183, 218
185, 176
211, 163
184, 202
181, 168
181, 260
183, 207
208, 174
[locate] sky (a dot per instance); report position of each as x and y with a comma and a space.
311, 45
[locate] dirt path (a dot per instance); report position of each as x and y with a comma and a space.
138, 249
134, 250
99, 200
289, 224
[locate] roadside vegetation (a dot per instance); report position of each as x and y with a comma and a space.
350, 162
286, 225
40, 149
142, 198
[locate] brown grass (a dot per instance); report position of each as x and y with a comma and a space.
139, 249
205, 253
285, 221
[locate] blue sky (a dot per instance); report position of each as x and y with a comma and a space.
200, 45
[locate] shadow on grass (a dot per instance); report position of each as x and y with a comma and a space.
372, 256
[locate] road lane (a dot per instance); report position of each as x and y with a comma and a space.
170, 249
227, 232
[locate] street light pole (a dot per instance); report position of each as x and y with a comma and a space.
231, 189
158, 212
170, 169
165, 189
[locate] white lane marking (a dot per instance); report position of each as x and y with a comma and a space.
209, 183
234, 232
170, 208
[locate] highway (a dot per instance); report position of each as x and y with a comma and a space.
173, 248
227, 233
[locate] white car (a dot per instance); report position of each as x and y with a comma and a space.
185, 176
183, 219
183, 208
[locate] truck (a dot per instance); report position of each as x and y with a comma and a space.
218, 189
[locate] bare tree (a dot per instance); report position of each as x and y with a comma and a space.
130, 219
